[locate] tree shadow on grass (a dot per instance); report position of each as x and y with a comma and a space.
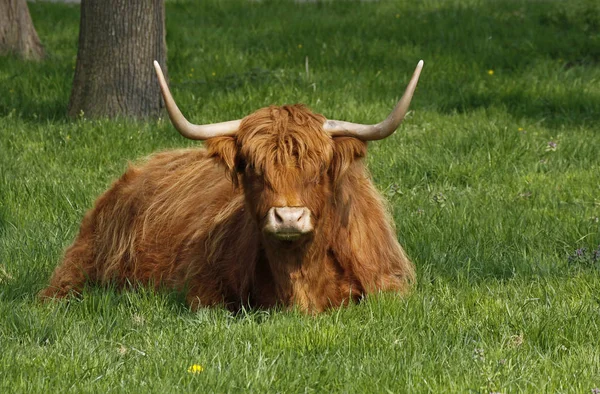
553, 111
524, 57
460, 42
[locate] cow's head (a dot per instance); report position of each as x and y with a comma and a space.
288, 159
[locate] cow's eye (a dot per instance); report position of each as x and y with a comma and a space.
240, 165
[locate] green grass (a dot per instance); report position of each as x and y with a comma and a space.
486, 208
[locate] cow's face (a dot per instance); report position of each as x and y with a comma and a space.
286, 202
282, 159
287, 166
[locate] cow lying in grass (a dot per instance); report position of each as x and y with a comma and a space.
277, 209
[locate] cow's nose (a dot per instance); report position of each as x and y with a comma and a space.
288, 223
289, 216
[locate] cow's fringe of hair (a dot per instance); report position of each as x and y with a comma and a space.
285, 137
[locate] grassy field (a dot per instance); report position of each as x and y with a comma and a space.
494, 181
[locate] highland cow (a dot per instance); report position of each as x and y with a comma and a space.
277, 209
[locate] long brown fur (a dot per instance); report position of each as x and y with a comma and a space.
191, 220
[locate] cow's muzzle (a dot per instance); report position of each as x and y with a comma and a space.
288, 223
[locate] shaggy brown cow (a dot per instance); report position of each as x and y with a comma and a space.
294, 221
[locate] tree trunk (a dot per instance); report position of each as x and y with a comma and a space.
118, 41
17, 34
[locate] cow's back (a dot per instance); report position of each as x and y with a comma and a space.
154, 225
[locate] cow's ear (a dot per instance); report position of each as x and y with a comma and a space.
225, 150
345, 151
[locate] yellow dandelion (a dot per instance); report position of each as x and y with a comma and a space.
196, 368
189, 75
299, 46
191, 69
397, 15
12, 91
214, 73
490, 72
520, 129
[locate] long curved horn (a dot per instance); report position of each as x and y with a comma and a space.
187, 129
380, 130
